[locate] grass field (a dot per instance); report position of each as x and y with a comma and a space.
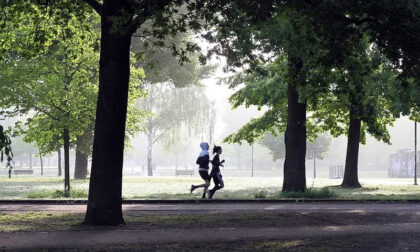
235, 188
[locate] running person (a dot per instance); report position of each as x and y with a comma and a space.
215, 171
203, 162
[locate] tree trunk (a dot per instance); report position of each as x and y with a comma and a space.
81, 163
314, 166
351, 178
105, 200
66, 139
30, 160
149, 156
295, 135
42, 165
59, 162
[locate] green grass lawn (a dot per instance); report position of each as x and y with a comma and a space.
235, 188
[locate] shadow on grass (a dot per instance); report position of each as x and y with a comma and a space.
41, 221
374, 242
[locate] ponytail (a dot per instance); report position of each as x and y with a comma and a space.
216, 148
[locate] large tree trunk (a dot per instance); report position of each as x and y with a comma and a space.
66, 139
105, 188
295, 135
351, 178
81, 163
59, 161
149, 156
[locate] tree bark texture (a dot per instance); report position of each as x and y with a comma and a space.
81, 165
105, 202
149, 156
81, 162
66, 139
42, 165
59, 162
351, 178
295, 135
30, 160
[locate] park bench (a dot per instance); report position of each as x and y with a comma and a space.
22, 171
184, 172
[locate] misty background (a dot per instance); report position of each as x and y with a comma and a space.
241, 160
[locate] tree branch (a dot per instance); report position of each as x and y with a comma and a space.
95, 5
148, 9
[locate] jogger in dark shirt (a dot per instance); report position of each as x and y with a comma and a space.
215, 171
203, 162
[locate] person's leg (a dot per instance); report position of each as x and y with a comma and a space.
204, 176
205, 191
216, 186
219, 185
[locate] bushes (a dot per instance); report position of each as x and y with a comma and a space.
310, 193
260, 194
74, 193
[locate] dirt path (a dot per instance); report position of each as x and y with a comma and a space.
80, 239
406, 221
225, 207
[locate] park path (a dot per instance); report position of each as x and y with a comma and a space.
80, 239
224, 207
112, 236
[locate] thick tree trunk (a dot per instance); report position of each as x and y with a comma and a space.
81, 165
66, 139
59, 162
149, 156
81, 162
295, 135
105, 202
351, 178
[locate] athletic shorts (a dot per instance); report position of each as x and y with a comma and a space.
204, 175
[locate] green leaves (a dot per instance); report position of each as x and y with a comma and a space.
6, 149
57, 87
318, 148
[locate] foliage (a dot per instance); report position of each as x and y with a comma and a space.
5, 149
160, 65
58, 90
176, 100
30, 28
55, 89
260, 194
317, 148
365, 84
174, 109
